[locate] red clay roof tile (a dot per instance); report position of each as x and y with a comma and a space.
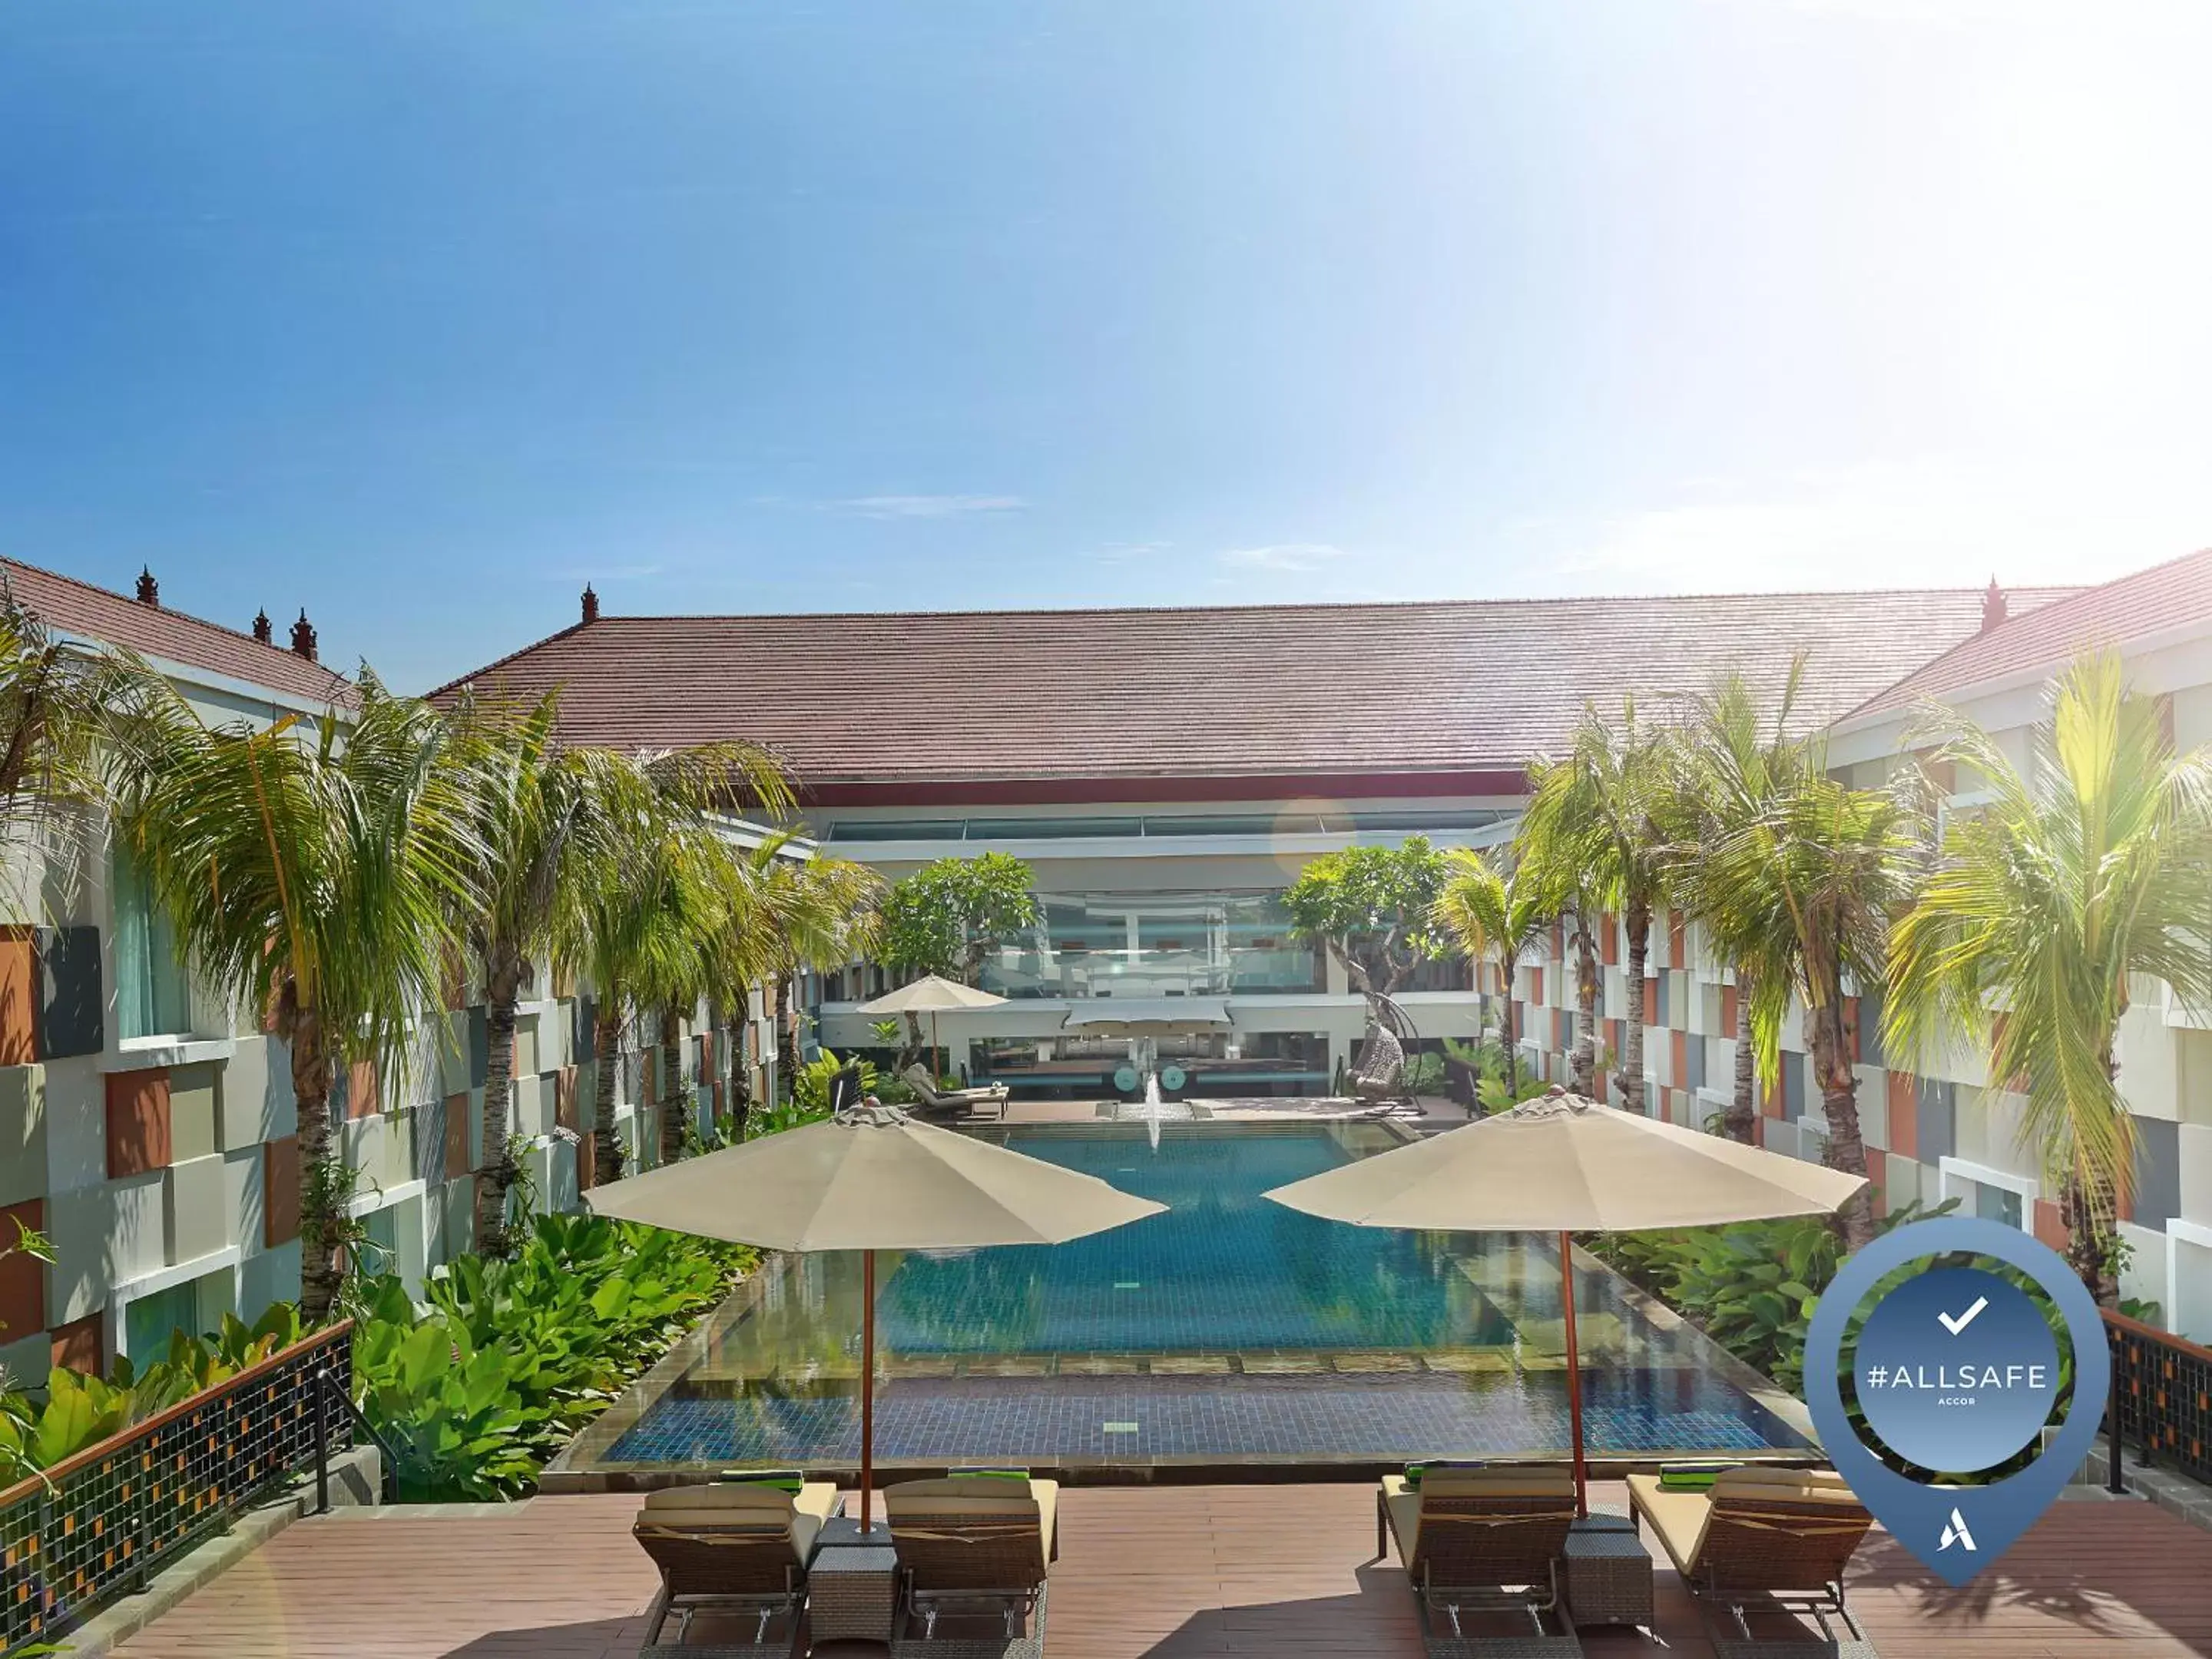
1267, 690
78, 607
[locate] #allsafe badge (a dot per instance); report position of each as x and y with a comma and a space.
1956, 1370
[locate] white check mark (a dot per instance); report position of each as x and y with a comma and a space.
1955, 1326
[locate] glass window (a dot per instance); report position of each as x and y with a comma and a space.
1994, 1203
195, 1306
151, 997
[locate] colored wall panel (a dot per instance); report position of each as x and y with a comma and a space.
137, 1122
454, 1129
280, 1187
22, 1278
72, 1011
19, 996
80, 1344
192, 1111
1903, 1114
2158, 1172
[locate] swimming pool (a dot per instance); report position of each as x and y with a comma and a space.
1229, 1329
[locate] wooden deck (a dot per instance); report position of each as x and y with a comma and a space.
1172, 1572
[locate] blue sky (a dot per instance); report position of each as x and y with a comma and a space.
421, 314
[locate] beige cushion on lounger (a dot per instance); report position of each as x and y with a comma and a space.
1679, 1518
1401, 1500
736, 1503
981, 1494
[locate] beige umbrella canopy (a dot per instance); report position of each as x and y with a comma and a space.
870, 1179
1565, 1164
930, 994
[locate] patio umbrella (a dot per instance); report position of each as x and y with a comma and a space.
1564, 1163
930, 994
868, 1179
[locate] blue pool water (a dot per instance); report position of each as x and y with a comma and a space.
1227, 1328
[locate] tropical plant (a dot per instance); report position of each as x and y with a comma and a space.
1803, 893
1737, 765
1553, 865
313, 870
55, 696
550, 818
1751, 1287
2092, 868
1494, 911
1605, 807
792, 911
1374, 909
944, 918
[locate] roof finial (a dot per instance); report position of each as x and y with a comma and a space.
591, 605
149, 590
303, 636
263, 629
1993, 606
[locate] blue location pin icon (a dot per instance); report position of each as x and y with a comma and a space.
1956, 1368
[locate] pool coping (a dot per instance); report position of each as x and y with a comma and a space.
580, 1466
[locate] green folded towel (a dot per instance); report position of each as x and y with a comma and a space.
991, 1474
781, 1479
1691, 1477
1415, 1471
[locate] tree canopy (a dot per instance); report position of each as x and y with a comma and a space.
1374, 908
946, 915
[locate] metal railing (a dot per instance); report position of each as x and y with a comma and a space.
2161, 1400
99, 1522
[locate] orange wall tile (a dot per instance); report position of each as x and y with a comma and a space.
137, 1121
19, 993
1651, 1002
81, 1345
22, 1278
1608, 941
364, 1091
2049, 1229
1905, 1114
1875, 1173
1680, 1044
280, 1191
1728, 1010
1678, 942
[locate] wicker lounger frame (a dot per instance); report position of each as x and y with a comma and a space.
722, 1568
1784, 1555
1469, 1550
969, 1559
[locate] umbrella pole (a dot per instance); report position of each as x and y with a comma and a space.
1574, 1376
868, 1380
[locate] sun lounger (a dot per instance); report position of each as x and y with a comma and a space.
974, 1541
947, 1100
738, 1547
1771, 1539
1482, 1541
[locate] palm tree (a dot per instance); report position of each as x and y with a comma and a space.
1602, 809
686, 917
1803, 893
794, 911
551, 814
54, 700
314, 869
1735, 766
2094, 867
1552, 856
1496, 911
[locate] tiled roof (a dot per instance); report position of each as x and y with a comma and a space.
76, 607
2159, 600
1256, 691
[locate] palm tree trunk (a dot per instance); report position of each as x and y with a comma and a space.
1743, 1105
2090, 1210
1582, 1067
1629, 1079
1840, 1100
496, 1173
741, 1082
319, 1273
675, 1112
1512, 965
606, 1050
786, 1036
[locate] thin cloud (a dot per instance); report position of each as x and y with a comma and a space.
1127, 552
929, 507
1284, 555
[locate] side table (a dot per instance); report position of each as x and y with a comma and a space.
1608, 1573
852, 1587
